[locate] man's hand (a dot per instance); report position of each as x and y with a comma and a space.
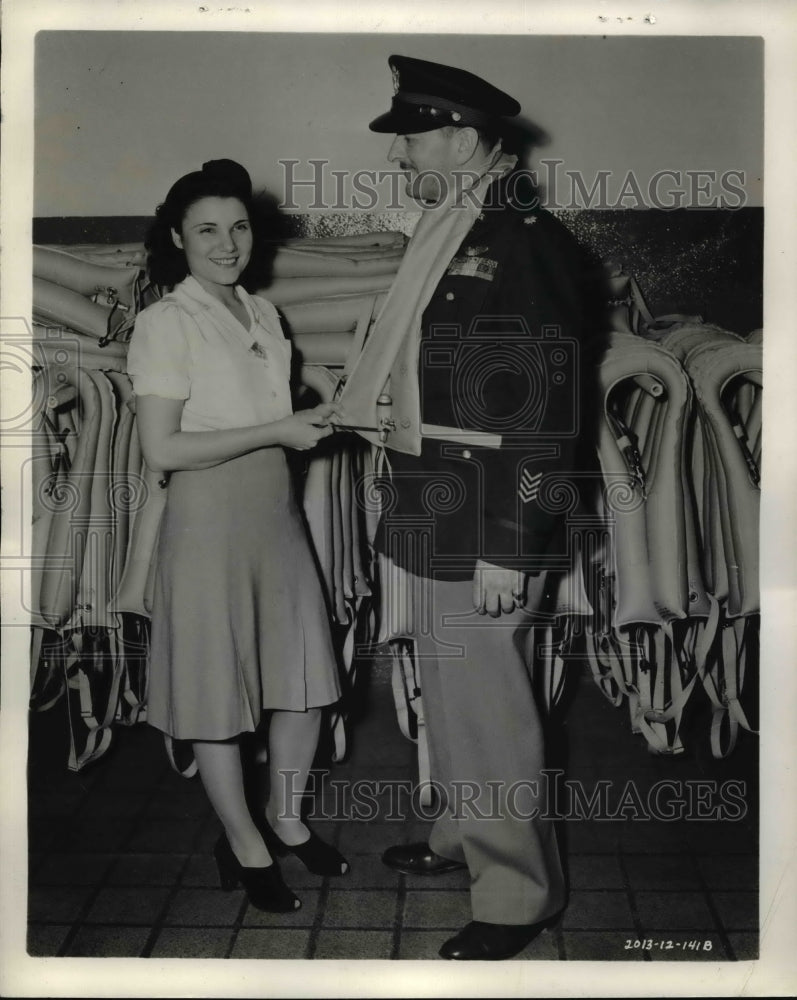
497, 590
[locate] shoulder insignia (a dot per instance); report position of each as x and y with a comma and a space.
473, 267
529, 220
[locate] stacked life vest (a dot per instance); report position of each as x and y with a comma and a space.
672, 569
662, 594
96, 505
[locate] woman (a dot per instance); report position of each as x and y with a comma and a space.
239, 622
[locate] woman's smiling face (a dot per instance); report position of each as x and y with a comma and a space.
216, 238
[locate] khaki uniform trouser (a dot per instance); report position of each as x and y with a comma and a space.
486, 750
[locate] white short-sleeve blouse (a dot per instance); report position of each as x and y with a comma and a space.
189, 346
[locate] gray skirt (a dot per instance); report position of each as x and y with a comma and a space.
239, 620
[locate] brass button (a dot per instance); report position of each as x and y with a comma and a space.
466, 453
450, 296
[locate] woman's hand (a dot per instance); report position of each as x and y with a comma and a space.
303, 430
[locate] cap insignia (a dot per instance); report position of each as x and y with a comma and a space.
396, 81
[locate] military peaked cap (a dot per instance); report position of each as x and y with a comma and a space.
429, 95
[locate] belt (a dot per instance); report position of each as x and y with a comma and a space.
477, 439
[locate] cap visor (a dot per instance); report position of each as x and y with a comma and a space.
403, 123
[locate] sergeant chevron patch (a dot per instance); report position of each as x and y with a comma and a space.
529, 485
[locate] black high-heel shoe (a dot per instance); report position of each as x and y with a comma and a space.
315, 854
264, 887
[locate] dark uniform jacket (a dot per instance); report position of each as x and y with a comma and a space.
500, 353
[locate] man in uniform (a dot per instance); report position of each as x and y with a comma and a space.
477, 346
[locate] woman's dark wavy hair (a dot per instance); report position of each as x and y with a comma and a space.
166, 263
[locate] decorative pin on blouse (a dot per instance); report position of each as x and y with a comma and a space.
259, 351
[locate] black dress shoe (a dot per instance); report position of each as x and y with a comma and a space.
315, 854
419, 859
479, 941
264, 886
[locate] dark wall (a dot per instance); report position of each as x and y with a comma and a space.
709, 263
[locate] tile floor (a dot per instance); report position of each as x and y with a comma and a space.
121, 865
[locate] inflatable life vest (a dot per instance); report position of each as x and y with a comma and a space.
338, 534
50, 461
656, 667
733, 473
67, 536
54, 347
343, 244
290, 291
116, 255
105, 284
727, 374
646, 399
54, 304
131, 638
124, 494
78, 649
341, 470
644, 571
328, 349
296, 262
341, 314
91, 605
